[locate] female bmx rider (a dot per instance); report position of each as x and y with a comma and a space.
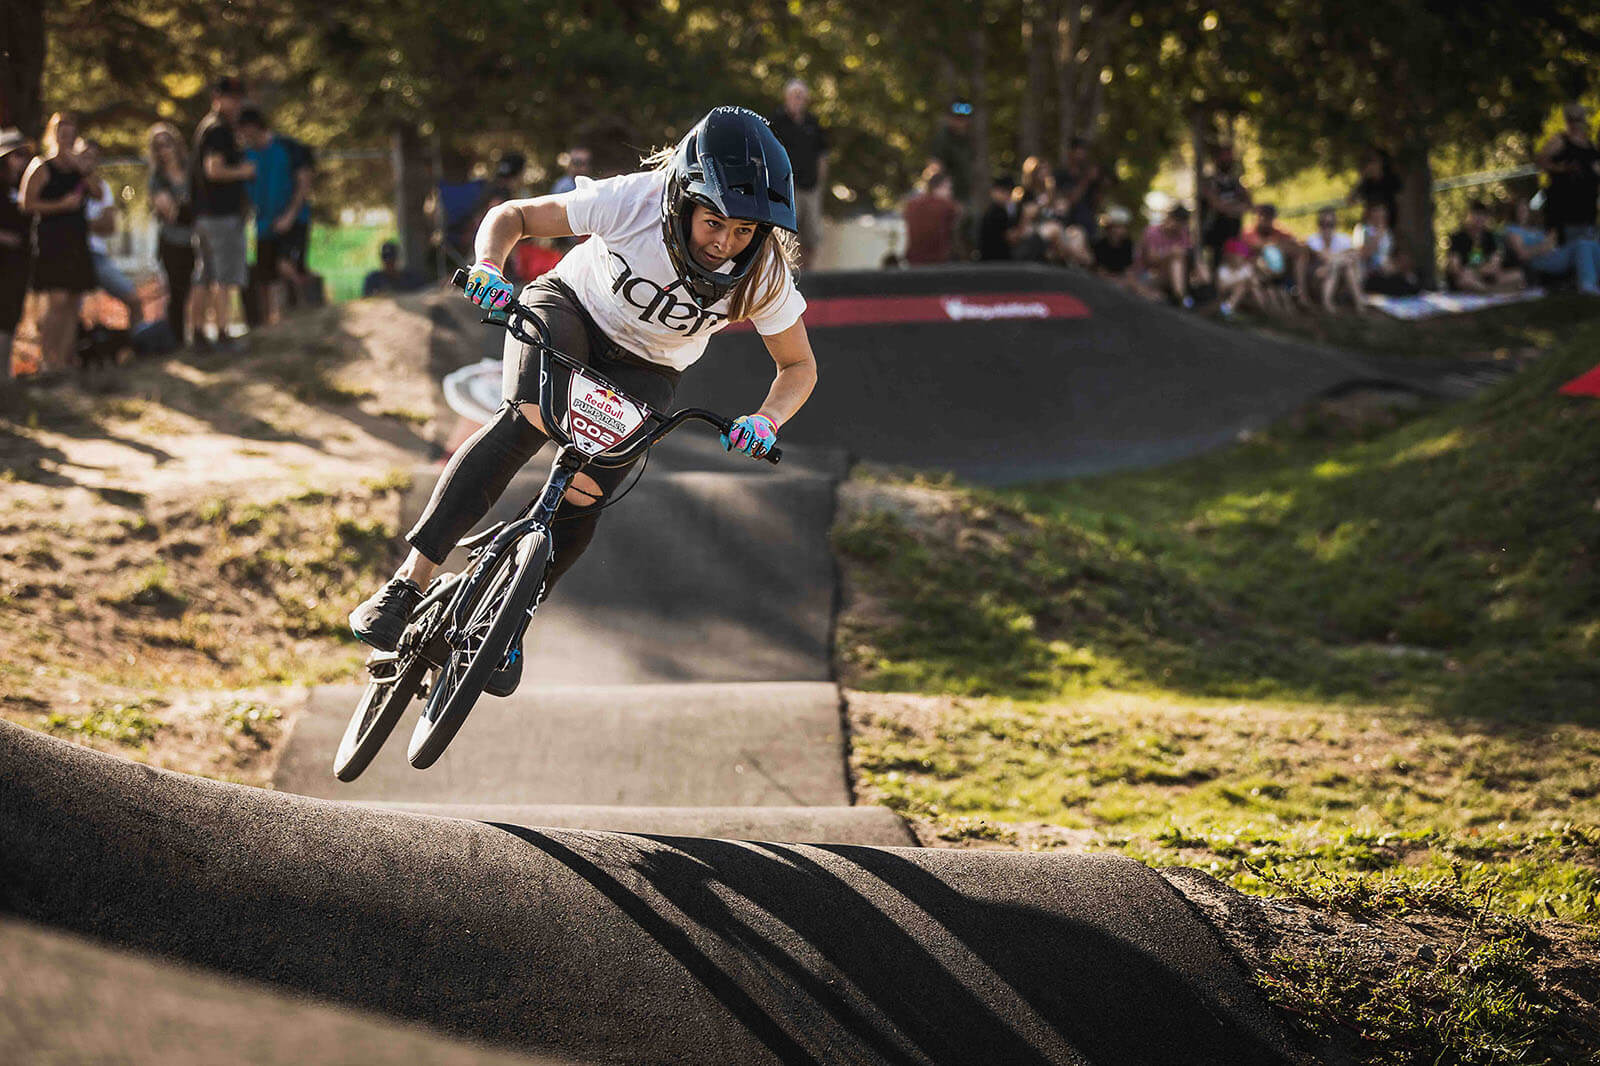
676, 253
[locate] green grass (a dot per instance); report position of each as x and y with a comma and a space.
344, 256
1448, 565
117, 722
1371, 654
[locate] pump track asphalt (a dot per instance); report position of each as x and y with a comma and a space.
650, 853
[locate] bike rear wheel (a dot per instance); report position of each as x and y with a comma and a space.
493, 621
389, 692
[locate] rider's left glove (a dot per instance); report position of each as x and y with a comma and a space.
487, 287
752, 434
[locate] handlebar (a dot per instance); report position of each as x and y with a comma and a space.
512, 319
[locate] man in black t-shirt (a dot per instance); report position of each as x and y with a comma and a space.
803, 137
994, 228
15, 154
1477, 261
218, 182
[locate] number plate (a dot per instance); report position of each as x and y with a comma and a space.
599, 419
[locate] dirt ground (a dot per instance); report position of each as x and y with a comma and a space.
182, 536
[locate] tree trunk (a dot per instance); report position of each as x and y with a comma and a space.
1036, 44
1415, 224
411, 169
978, 195
22, 50
1068, 29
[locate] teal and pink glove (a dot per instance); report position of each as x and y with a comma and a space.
487, 287
752, 434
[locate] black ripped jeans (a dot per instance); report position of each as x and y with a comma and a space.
482, 467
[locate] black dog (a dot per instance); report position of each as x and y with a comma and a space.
100, 346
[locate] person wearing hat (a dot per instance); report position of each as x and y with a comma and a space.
996, 227
1165, 256
1572, 162
391, 277
1112, 252
15, 154
221, 173
952, 149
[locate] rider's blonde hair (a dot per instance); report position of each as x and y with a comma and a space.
778, 259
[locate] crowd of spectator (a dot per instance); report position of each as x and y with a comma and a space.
1236, 255
58, 213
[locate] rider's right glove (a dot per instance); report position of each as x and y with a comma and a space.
487, 287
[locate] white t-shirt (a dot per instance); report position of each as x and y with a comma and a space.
93, 208
625, 280
1340, 242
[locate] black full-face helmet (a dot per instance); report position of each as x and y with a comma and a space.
731, 163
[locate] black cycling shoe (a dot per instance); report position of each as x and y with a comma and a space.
381, 620
504, 681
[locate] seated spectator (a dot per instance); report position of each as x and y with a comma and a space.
1036, 227
391, 276
931, 217
1280, 258
100, 208
1112, 252
1477, 262
1535, 249
1335, 263
1383, 267
995, 227
1165, 256
1238, 283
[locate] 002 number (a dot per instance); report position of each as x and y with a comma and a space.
592, 431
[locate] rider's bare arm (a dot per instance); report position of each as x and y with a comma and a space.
797, 373
510, 222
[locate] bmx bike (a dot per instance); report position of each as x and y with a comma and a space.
470, 623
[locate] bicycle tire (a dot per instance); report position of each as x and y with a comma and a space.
499, 609
381, 706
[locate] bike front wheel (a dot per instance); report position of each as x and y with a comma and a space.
493, 621
393, 683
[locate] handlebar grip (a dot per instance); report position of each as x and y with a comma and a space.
774, 456
459, 279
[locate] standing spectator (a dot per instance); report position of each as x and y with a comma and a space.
1538, 251
1334, 260
1573, 165
53, 191
14, 158
1379, 184
995, 227
1223, 202
1080, 182
1477, 261
174, 211
578, 162
100, 209
1165, 256
952, 148
1383, 267
280, 191
1033, 211
391, 276
931, 217
803, 137
218, 185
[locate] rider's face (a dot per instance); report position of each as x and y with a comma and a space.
713, 240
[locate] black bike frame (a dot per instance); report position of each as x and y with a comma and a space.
569, 459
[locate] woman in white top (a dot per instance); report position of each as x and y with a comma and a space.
1335, 259
676, 252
